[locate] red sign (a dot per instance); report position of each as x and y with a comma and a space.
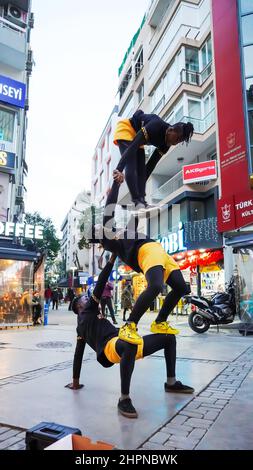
244, 209
200, 172
226, 214
232, 139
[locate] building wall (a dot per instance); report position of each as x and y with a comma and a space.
16, 63
70, 252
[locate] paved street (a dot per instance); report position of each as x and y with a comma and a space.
36, 363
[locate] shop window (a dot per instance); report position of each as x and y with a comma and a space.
184, 211
7, 119
16, 291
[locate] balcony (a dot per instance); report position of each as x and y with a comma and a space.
12, 45
157, 11
191, 77
175, 183
201, 125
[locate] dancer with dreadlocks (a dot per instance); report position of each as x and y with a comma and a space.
145, 129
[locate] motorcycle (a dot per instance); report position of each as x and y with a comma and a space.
219, 310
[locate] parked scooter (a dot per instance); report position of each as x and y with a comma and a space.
219, 310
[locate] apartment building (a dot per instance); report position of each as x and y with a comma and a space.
16, 62
71, 255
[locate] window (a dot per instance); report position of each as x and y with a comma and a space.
194, 109
96, 164
179, 114
246, 6
7, 119
247, 29
101, 181
191, 59
109, 134
125, 82
138, 64
140, 92
206, 53
109, 169
95, 188
248, 60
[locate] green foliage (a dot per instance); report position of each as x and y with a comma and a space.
50, 243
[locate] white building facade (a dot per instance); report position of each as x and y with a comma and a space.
71, 255
16, 62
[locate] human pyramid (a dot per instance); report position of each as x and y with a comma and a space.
142, 254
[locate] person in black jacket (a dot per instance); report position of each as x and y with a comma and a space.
145, 129
144, 255
102, 337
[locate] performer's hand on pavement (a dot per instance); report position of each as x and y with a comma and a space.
73, 386
118, 176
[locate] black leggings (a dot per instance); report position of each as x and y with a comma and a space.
135, 172
152, 344
155, 281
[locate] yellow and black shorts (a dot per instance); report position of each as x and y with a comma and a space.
124, 131
112, 355
152, 254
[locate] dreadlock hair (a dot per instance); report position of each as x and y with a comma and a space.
187, 130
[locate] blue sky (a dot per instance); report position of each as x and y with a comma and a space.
78, 47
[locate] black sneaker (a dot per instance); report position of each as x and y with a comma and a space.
178, 387
127, 409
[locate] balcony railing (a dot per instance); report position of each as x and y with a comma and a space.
175, 183
196, 78
201, 125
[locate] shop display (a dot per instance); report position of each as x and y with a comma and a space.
16, 291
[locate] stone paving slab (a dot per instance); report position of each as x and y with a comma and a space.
234, 427
94, 408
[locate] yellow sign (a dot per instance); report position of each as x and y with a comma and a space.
209, 269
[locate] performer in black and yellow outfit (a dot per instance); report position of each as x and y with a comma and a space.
144, 255
145, 129
102, 337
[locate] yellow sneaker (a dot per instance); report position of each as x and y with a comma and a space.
128, 333
164, 328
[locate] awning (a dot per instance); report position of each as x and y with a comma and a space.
238, 241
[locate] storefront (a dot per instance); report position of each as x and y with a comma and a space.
203, 269
21, 280
240, 251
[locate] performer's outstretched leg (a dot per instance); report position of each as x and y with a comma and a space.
154, 343
127, 352
179, 289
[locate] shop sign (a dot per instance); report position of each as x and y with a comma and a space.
12, 92
226, 214
200, 172
244, 209
230, 110
7, 160
175, 241
9, 229
235, 212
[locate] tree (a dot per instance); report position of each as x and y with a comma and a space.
50, 245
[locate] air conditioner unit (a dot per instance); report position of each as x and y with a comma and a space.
16, 15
